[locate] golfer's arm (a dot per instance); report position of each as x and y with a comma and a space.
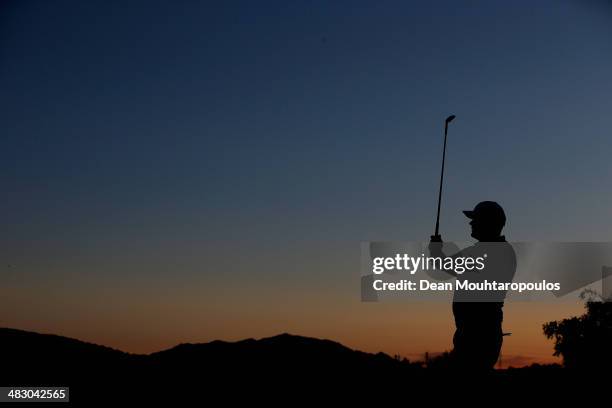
436, 251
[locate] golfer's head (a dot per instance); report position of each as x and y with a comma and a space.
487, 220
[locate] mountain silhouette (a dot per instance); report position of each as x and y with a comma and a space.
52, 352
284, 360
247, 370
283, 352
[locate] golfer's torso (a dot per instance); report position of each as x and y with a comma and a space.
482, 285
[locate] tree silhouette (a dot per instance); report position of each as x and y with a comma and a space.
584, 342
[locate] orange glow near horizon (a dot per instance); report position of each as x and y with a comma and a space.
164, 319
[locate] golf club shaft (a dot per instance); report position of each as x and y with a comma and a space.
441, 179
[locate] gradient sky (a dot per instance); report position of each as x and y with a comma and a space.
186, 171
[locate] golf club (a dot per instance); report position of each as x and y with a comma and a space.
436, 237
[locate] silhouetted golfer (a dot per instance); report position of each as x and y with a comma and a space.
478, 314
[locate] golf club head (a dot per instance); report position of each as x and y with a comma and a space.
450, 119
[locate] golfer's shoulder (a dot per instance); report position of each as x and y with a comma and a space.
498, 249
508, 249
470, 251
503, 253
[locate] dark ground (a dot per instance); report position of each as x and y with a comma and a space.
283, 368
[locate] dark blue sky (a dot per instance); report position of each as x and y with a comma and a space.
135, 135
311, 118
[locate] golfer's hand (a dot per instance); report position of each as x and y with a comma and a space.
435, 245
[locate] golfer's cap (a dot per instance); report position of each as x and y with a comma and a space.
487, 211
